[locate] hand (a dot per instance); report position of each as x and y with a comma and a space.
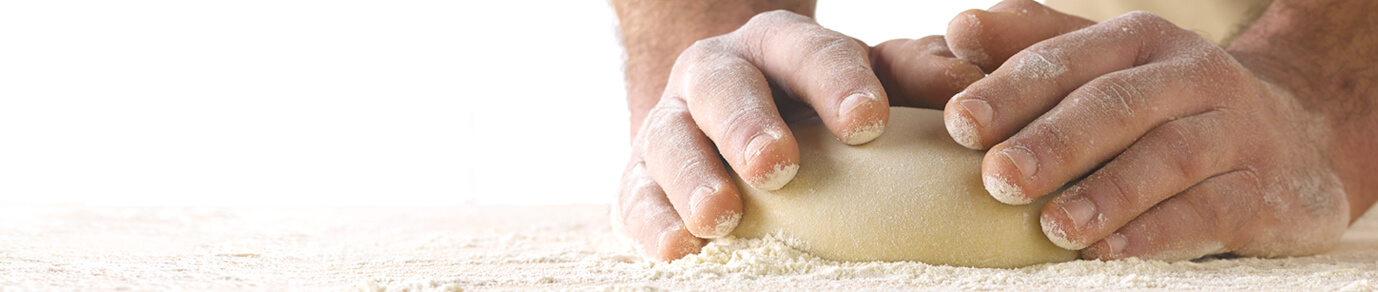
729, 95
1189, 153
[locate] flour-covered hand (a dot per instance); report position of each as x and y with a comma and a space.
1174, 149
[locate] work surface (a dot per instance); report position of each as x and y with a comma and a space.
464, 248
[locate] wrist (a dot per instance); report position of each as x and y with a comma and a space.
655, 32
1311, 50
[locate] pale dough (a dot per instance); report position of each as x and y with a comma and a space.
913, 194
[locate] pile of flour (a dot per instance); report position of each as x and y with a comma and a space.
473, 247
772, 261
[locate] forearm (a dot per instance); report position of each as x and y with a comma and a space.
654, 32
1323, 52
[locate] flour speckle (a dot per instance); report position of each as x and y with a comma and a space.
481, 247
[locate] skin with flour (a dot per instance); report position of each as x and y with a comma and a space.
1263, 148
1268, 141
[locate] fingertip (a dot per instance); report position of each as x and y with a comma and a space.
962, 122
964, 38
865, 133
864, 116
675, 243
715, 211
1058, 227
1056, 231
777, 177
963, 131
1005, 191
989, 37
922, 73
724, 224
772, 160
1071, 214
1110, 248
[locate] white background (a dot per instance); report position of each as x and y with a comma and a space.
288, 102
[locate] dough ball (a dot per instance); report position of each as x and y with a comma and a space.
911, 195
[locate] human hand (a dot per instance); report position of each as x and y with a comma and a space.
730, 95
1188, 151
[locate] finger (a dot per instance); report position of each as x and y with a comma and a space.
732, 103
1203, 220
921, 73
1166, 161
682, 160
826, 69
988, 37
1093, 124
1036, 79
644, 215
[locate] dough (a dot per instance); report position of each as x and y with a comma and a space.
913, 194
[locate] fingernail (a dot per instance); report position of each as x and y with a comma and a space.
854, 101
1116, 242
759, 143
978, 109
700, 194
1023, 159
1080, 211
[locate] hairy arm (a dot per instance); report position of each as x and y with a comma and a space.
1323, 52
655, 32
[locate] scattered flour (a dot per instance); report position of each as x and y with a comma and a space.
479, 248
771, 260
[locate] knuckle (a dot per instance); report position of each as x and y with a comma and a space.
688, 174
1146, 19
1024, 3
1120, 193
1118, 97
722, 77
934, 40
1233, 77
742, 125
700, 50
1185, 155
1042, 61
1185, 163
639, 192
969, 21
665, 127
828, 43
931, 45
1147, 22
1181, 154
702, 45
1151, 24
668, 111
1203, 207
1057, 140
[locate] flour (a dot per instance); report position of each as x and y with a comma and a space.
734, 260
478, 248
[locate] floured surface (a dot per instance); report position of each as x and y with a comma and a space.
464, 248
